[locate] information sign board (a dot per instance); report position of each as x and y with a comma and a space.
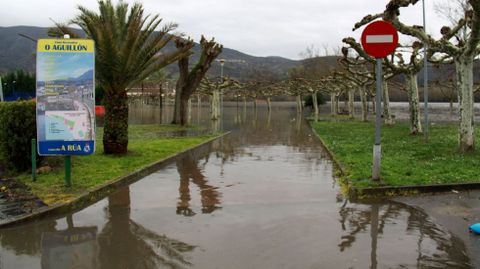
65, 97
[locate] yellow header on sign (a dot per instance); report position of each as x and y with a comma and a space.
65, 45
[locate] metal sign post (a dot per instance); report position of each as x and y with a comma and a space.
379, 39
377, 147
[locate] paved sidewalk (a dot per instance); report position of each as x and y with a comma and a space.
455, 211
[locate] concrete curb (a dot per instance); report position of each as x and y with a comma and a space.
389, 191
92, 196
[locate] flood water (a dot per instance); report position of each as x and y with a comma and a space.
262, 197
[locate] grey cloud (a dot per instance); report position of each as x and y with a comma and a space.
258, 27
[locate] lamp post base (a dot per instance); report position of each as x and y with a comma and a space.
377, 151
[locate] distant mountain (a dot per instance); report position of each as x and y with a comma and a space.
17, 52
85, 76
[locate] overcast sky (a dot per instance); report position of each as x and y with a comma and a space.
257, 27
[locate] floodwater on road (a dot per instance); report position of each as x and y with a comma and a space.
262, 197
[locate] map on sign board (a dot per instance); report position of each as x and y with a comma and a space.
67, 125
65, 97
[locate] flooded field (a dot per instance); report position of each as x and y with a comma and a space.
264, 196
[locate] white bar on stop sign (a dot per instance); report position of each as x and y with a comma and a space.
379, 39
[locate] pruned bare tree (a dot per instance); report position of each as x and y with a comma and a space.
189, 80
386, 75
451, 47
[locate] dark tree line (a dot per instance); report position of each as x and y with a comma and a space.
18, 81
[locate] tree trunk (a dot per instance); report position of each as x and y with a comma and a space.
363, 97
269, 104
333, 104
244, 115
142, 99
466, 131
177, 108
215, 126
351, 104
413, 103
189, 111
269, 117
115, 137
215, 105
183, 111
315, 105
337, 104
199, 107
387, 115
199, 102
299, 103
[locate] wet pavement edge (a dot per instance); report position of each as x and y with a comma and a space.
92, 196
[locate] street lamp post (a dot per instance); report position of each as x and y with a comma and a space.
13, 88
425, 77
222, 63
1, 90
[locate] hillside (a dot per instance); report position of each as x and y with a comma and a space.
17, 52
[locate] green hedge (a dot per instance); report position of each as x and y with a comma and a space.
17, 128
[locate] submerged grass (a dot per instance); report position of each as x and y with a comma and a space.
147, 144
406, 159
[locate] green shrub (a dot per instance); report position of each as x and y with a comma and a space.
17, 128
309, 100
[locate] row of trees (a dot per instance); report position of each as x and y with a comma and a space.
130, 50
355, 71
458, 45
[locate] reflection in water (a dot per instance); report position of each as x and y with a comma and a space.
127, 244
26, 239
122, 243
189, 170
435, 247
75, 247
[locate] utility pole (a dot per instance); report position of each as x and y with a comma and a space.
1, 90
425, 77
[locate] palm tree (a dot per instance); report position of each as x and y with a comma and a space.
128, 50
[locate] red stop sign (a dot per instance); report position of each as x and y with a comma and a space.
379, 39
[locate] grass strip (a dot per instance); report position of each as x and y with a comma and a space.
147, 144
406, 159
